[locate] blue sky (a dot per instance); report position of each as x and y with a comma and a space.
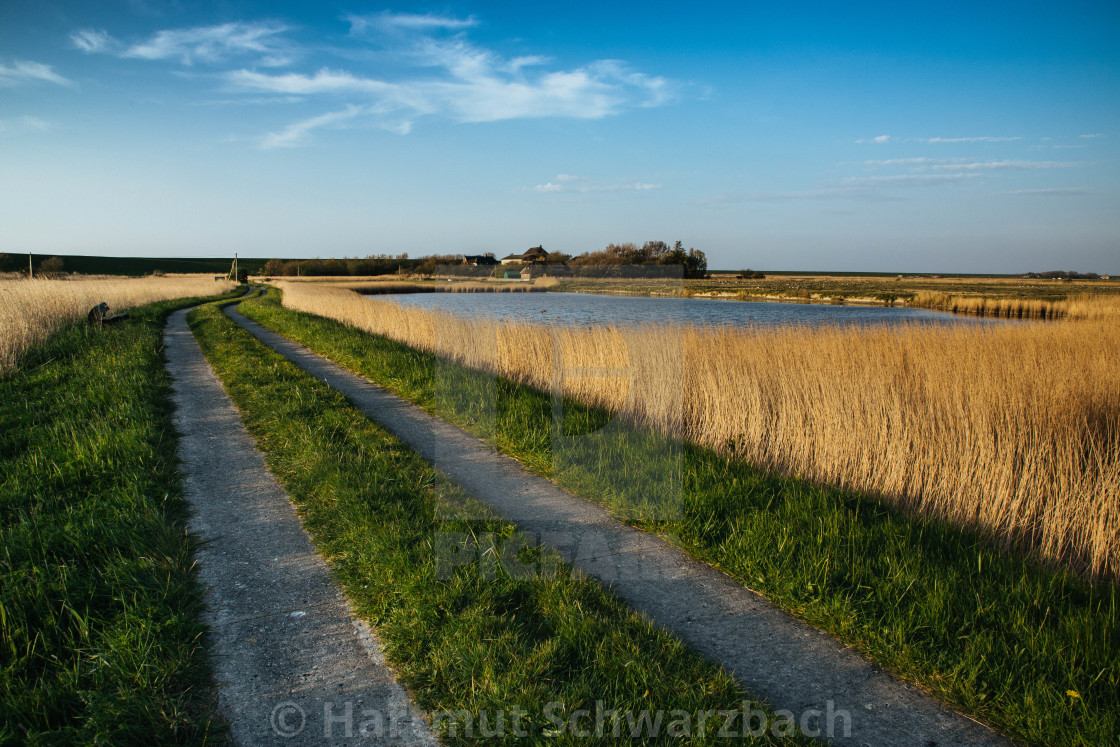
828, 136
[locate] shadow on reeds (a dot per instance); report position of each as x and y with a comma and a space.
636, 473
1002, 308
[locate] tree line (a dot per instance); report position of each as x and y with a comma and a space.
379, 264
652, 253
694, 261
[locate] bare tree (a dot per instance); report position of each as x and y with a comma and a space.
52, 267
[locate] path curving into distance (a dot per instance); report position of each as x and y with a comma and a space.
293, 665
788, 663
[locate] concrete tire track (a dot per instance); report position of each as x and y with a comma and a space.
292, 662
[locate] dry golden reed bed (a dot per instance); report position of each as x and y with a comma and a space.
1011, 428
32, 310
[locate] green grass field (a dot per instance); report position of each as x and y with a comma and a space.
1029, 649
467, 641
99, 634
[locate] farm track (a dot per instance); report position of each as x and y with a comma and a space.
790, 664
285, 642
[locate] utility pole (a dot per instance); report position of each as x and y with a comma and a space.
236, 277
30, 270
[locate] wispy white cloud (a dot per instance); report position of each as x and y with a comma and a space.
324, 81
1007, 165
903, 161
1049, 192
249, 101
517, 63
25, 71
213, 43
598, 90
629, 187
907, 180
881, 139
94, 41
434, 71
388, 21
580, 185
207, 44
983, 139
296, 134
923, 163
1058, 146
448, 76
1092, 136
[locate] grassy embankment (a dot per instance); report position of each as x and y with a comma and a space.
1028, 647
468, 643
99, 638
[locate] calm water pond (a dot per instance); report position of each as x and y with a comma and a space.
583, 309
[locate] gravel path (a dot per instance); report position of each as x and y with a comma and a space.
795, 667
293, 664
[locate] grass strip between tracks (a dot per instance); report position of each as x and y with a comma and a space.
1030, 649
99, 634
467, 642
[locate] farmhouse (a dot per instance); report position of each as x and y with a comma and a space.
479, 260
536, 254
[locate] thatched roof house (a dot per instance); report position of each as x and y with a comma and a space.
536, 254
